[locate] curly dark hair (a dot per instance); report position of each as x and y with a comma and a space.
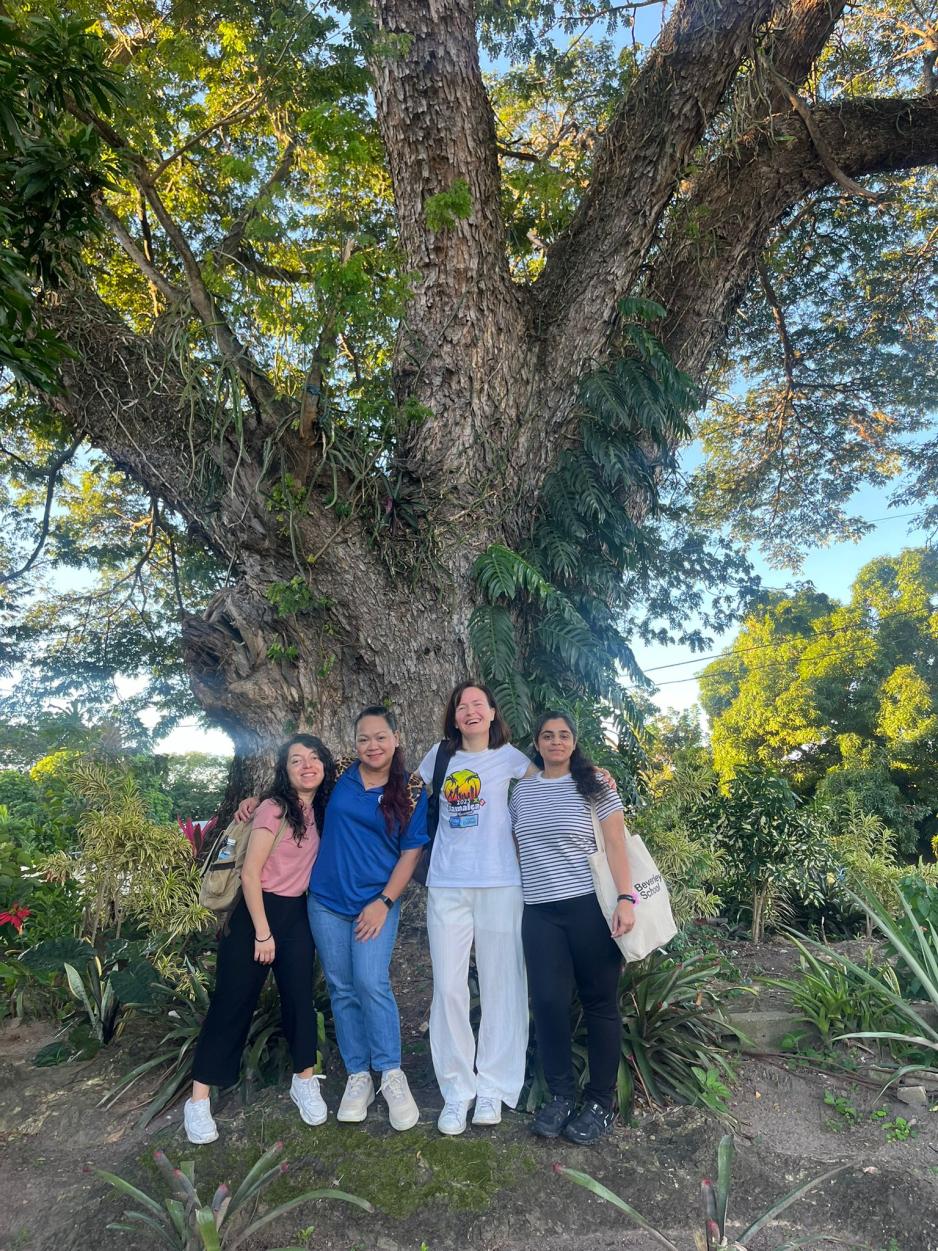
395, 801
281, 790
582, 769
499, 734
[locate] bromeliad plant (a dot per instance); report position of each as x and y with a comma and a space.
671, 1025
710, 1234
183, 1222
674, 1040
835, 999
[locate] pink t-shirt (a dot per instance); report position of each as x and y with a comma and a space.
287, 868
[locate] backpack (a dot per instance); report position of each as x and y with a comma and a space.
443, 757
220, 891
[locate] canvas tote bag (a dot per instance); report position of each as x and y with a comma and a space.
654, 924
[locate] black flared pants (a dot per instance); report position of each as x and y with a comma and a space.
239, 979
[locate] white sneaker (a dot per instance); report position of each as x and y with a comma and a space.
487, 1111
403, 1112
199, 1122
304, 1091
452, 1119
358, 1098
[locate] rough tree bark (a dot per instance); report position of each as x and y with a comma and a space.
496, 362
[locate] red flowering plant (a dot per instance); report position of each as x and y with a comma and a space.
196, 832
16, 916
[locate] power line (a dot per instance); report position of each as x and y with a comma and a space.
787, 664
758, 647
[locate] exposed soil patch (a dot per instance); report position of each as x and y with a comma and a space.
491, 1190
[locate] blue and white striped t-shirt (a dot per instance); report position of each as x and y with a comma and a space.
552, 824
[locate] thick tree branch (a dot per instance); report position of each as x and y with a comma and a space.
256, 383
709, 252
650, 139
438, 129
52, 472
137, 254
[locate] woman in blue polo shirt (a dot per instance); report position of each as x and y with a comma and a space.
370, 846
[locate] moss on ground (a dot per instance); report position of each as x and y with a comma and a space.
397, 1173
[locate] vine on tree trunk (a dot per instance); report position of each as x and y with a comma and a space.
549, 631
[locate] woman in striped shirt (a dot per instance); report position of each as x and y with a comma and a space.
567, 940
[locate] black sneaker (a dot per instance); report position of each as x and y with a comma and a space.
591, 1123
552, 1117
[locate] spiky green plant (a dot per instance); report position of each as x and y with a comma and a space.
183, 1222
671, 1024
916, 950
714, 1199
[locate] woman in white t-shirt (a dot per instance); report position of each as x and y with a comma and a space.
567, 940
474, 895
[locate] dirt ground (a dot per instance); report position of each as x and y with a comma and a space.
491, 1190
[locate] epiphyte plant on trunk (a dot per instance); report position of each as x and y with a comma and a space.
710, 1233
183, 1221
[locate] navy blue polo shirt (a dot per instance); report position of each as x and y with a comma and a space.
356, 854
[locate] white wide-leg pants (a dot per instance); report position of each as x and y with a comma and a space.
490, 917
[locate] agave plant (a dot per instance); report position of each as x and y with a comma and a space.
184, 1223
672, 1026
919, 956
711, 1233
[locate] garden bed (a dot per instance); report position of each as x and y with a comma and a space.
492, 1190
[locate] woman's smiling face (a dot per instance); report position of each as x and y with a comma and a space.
556, 742
474, 714
375, 743
304, 769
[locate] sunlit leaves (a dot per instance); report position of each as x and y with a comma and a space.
811, 686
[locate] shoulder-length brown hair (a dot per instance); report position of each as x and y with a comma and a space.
499, 733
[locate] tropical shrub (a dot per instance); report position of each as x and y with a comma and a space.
684, 846
183, 1221
127, 867
866, 855
770, 848
921, 899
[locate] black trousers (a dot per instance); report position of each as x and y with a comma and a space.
567, 944
239, 979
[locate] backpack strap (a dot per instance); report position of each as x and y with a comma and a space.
443, 757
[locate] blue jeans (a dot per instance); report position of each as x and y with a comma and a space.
367, 1022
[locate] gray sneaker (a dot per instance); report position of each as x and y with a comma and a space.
304, 1091
199, 1122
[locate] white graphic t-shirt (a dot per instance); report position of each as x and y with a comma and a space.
473, 844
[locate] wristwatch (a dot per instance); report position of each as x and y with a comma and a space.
387, 901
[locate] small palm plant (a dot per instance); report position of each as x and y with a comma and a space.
711, 1233
183, 1222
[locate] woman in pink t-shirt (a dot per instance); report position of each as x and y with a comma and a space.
269, 929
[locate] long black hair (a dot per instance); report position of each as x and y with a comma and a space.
282, 790
499, 734
395, 801
582, 769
